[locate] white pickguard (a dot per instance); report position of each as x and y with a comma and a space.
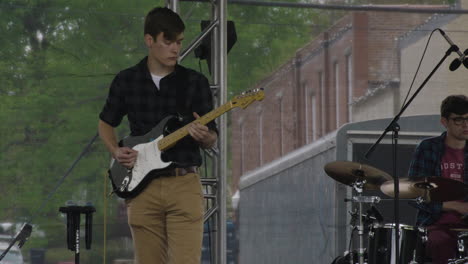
148, 159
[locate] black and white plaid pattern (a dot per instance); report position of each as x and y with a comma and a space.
133, 93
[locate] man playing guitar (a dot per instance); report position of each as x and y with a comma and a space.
166, 217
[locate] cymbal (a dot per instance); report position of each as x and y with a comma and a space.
459, 229
348, 172
407, 190
430, 188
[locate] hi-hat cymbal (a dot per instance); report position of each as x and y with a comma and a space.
348, 172
430, 188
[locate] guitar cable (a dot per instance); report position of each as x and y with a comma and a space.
104, 221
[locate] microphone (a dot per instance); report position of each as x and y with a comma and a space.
458, 61
461, 57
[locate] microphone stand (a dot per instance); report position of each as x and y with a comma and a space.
21, 237
394, 127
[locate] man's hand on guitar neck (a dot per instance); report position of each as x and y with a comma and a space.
125, 156
202, 133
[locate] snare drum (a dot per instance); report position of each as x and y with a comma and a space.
381, 249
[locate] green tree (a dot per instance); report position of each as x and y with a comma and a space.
57, 59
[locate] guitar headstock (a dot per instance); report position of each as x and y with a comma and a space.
246, 98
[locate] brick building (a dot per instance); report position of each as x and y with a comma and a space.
442, 83
323, 87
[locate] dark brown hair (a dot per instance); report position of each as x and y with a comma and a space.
162, 19
457, 104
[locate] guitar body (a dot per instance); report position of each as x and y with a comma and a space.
129, 183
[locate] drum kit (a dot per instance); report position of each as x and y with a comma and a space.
381, 236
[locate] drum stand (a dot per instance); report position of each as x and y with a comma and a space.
358, 187
462, 257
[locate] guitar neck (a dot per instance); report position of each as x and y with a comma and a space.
171, 139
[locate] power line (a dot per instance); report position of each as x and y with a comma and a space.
381, 8
74, 10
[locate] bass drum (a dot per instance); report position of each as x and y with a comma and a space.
381, 248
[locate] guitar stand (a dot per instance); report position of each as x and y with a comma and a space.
73, 227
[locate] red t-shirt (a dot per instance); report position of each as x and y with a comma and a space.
452, 165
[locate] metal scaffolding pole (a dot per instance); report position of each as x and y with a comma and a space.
173, 5
218, 28
220, 44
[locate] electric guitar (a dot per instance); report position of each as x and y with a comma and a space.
128, 183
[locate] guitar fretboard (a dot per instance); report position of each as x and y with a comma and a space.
171, 139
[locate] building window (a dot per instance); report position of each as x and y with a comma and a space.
314, 116
349, 85
242, 150
323, 97
260, 135
279, 96
337, 94
310, 114
306, 111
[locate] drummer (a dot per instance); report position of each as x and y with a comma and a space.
444, 156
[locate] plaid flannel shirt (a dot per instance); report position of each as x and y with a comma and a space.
425, 163
134, 94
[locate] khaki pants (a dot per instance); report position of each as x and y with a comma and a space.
166, 221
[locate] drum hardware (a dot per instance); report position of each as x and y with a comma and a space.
354, 217
461, 244
348, 173
372, 214
356, 223
423, 241
462, 249
349, 257
413, 261
364, 199
360, 177
358, 219
358, 187
458, 261
424, 231
408, 241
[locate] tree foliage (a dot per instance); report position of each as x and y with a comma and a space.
57, 59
